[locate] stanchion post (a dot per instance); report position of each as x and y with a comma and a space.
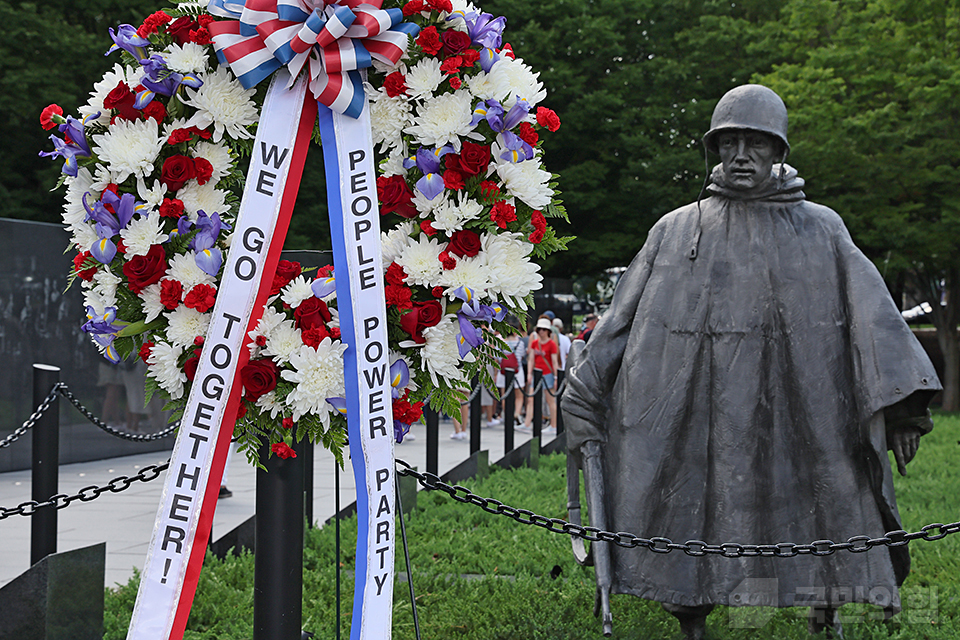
305, 450
537, 403
509, 408
476, 414
433, 440
46, 454
560, 374
278, 565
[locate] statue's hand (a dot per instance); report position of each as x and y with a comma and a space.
904, 442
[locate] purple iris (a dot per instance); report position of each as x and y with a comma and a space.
158, 79
101, 324
484, 30
488, 58
126, 38
516, 114
323, 287
70, 151
472, 334
516, 150
400, 429
428, 161
103, 250
340, 404
109, 224
208, 257
399, 376
491, 111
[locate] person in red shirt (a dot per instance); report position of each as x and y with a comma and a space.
543, 356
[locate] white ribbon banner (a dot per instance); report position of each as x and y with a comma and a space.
355, 229
191, 487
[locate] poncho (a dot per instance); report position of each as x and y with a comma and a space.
737, 385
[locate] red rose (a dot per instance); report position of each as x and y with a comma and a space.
121, 99
171, 208
145, 350
398, 296
422, 316
203, 170
180, 29
312, 312
548, 118
528, 134
395, 274
286, 271
78, 260
171, 292
155, 110
455, 42
427, 227
283, 451
258, 377
472, 160
455, 82
395, 84
201, 298
143, 271
395, 197
429, 41
241, 410
464, 243
502, 213
412, 7
190, 366
453, 180
313, 336
176, 171
47, 115
446, 261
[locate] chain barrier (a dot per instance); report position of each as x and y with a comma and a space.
92, 492
533, 393
126, 435
32, 420
473, 394
563, 385
855, 544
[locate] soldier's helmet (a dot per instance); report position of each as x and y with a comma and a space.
750, 106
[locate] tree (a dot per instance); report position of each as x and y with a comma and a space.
871, 87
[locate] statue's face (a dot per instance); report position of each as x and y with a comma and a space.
747, 157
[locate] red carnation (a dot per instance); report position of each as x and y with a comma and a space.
200, 36
548, 118
427, 227
405, 411
179, 135
395, 274
412, 7
395, 84
153, 23
489, 191
204, 170
313, 336
171, 292
453, 180
398, 296
429, 41
422, 316
395, 196
145, 350
502, 213
470, 57
155, 110
447, 261
259, 377
528, 134
176, 171
78, 260
143, 271
171, 208
539, 227
47, 116
451, 65
437, 292
201, 298
287, 270
325, 271
455, 82
283, 451
441, 5
241, 410
287, 423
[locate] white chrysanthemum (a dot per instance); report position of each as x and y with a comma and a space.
318, 375
512, 274
183, 267
105, 284
395, 241
469, 272
129, 148
386, 68
443, 119
188, 58
388, 117
488, 86
334, 318
223, 103
153, 196
424, 78
83, 234
393, 165
268, 403
152, 306
450, 216
424, 205
282, 341
92, 296
520, 80
141, 233
101, 178
162, 366
109, 82
185, 324
440, 355
526, 181
269, 321
202, 197
296, 291
218, 155
421, 260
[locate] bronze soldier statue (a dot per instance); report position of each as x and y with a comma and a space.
745, 386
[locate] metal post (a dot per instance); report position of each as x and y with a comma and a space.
278, 566
433, 440
476, 415
560, 375
305, 450
509, 408
46, 454
537, 403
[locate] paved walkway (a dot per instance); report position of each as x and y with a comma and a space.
125, 520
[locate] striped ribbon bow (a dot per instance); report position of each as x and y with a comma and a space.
337, 37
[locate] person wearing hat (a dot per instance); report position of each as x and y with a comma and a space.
745, 385
543, 356
589, 322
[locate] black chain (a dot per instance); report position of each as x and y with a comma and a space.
126, 435
473, 394
62, 500
856, 544
32, 420
563, 385
534, 391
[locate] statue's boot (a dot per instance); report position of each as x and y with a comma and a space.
825, 619
693, 620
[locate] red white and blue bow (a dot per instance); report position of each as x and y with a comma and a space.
338, 37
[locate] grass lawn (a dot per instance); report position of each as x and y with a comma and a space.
484, 577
